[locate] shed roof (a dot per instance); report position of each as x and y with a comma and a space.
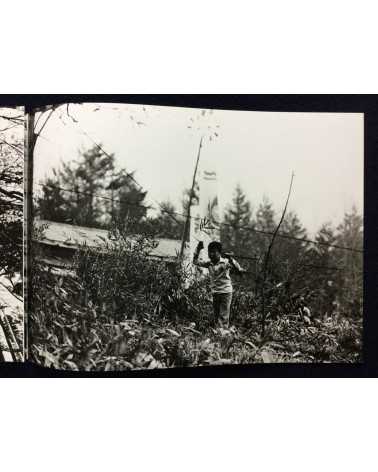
69, 236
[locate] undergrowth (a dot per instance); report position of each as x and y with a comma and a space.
118, 309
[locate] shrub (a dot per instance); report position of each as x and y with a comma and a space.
121, 279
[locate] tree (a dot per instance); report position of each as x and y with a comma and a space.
237, 218
265, 216
264, 225
11, 192
170, 224
53, 205
90, 192
92, 172
350, 280
236, 236
70, 194
127, 200
322, 273
289, 255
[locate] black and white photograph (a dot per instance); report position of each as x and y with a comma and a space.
171, 237
11, 234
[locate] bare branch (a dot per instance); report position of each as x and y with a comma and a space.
16, 147
9, 127
12, 194
51, 110
45, 123
18, 120
267, 256
69, 115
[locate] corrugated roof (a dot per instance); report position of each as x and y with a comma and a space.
70, 236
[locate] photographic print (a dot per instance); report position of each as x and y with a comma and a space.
171, 237
11, 234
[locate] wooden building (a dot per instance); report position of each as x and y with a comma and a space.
59, 242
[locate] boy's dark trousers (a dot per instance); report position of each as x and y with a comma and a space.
222, 306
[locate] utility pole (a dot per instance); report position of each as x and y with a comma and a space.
29, 142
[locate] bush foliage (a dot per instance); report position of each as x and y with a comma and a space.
119, 309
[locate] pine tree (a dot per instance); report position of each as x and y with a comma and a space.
264, 222
265, 216
169, 223
93, 169
237, 220
128, 201
322, 274
236, 236
288, 255
90, 192
350, 282
52, 205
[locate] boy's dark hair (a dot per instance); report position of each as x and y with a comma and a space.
215, 245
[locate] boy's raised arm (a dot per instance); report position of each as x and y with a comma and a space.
196, 254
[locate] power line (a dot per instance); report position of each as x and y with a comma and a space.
88, 194
169, 212
286, 236
310, 266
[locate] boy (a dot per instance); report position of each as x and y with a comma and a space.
220, 281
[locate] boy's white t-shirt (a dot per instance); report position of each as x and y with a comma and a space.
220, 280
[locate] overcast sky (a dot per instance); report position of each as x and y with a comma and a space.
258, 150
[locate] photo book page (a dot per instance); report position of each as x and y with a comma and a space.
170, 237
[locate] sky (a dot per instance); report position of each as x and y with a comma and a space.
257, 150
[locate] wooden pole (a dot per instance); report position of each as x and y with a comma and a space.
29, 142
187, 221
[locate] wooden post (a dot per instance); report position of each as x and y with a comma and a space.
29, 142
187, 221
